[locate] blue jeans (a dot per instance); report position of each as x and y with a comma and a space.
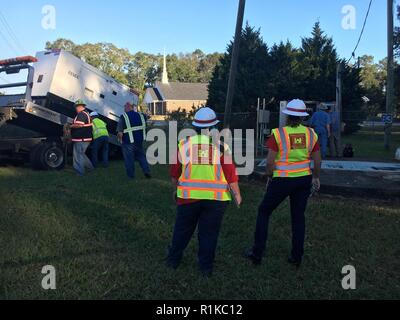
80, 159
100, 144
207, 215
132, 152
323, 141
298, 189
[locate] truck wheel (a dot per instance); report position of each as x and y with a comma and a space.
47, 156
52, 156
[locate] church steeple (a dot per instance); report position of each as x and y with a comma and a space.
165, 72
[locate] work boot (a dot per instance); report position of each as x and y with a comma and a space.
249, 254
294, 262
206, 273
147, 175
171, 265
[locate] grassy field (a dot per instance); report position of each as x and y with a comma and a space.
107, 237
368, 144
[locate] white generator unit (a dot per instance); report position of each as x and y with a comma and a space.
67, 77
56, 79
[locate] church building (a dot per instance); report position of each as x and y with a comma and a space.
165, 96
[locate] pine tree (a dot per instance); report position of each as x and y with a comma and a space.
318, 59
252, 74
285, 82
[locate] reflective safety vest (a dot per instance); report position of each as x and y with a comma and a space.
202, 174
84, 132
99, 128
131, 129
295, 147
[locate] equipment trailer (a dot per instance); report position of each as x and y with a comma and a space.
55, 80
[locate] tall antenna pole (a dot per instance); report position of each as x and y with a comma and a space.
390, 72
234, 61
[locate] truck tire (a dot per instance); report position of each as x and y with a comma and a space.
52, 156
47, 156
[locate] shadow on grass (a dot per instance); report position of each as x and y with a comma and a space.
107, 224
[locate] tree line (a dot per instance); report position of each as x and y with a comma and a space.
280, 72
141, 69
283, 72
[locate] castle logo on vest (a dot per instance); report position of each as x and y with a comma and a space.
298, 141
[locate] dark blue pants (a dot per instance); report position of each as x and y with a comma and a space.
100, 144
207, 216
298, 189
132, 152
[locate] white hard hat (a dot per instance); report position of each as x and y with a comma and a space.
94, 114
296, 108
204, 118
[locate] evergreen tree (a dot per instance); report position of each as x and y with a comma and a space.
285, 81
318, 59
252, 73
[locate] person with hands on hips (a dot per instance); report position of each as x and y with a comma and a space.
289, 173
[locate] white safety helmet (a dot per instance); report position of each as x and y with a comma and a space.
296, 108
94, 114
204, 118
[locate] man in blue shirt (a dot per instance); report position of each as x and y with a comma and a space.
131, 134
321, 122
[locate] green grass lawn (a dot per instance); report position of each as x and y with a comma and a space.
369, 144
107, 237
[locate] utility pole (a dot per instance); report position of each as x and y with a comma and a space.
234, 61
390, 72
339, 103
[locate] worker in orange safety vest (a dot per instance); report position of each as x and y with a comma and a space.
205, 180
289, 173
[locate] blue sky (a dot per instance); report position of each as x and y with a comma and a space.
184, 25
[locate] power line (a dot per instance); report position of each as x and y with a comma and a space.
8, 43
362, 32
11, 33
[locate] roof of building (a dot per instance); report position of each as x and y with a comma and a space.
155, 94
183, 91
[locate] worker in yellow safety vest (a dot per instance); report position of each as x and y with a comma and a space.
100, 140
289, 172
205, 179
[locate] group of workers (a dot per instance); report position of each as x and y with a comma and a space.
205, 180
88, 129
